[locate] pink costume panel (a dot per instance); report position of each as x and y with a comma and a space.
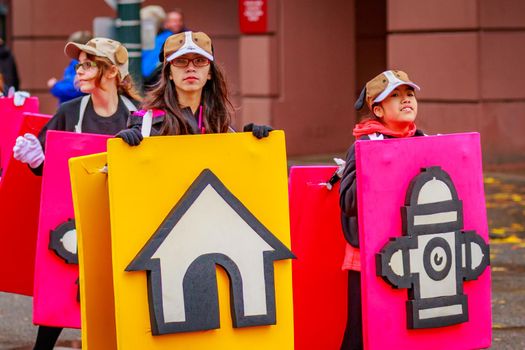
319, 283
19, 202
424, 243
55, 301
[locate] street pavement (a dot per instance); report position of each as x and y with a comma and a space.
505, 195
16, 329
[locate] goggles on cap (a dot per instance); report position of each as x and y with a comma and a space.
377, 89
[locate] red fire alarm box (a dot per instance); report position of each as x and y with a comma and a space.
253, 16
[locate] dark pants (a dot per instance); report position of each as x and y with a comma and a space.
47, 337
353, 337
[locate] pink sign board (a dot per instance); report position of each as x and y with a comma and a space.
19, 207
319, 283
55, 301
424, 243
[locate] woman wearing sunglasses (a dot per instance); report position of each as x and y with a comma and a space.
191, 96
102, 73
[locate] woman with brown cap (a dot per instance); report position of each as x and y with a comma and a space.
102, 74
191, 96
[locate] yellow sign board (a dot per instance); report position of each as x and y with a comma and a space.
91, 202
199, 237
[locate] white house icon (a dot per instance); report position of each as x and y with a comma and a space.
209, 226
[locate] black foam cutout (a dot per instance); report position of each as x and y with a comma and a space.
428, 258
55, 242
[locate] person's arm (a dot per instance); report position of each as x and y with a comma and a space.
57, 122
65, 88
149, 62
133, 134
259, 131
348, 199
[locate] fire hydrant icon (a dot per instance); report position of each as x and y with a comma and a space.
434, 256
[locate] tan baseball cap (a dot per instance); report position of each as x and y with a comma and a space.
382, 85
188, 42
377, 89
102, 47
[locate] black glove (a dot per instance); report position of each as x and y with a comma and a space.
258, 131
132, 136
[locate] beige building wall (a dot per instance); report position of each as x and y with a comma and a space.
39, 32
304, 74
467, 55
41, 27
299, 77
316, 75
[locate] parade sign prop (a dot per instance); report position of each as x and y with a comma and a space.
424, 251
319, 283
91, 200
200, 230
19, 205
56, 293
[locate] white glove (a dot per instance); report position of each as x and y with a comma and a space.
20, 97
28, 150
337, 175
340, 166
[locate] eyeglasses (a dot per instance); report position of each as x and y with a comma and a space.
184, 62
85, 65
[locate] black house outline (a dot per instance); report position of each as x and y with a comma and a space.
201, 315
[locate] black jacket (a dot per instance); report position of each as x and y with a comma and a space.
135, 121
347, 192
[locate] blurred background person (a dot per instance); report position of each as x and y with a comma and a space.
152, 18
65, 89
173, 23
8, 67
